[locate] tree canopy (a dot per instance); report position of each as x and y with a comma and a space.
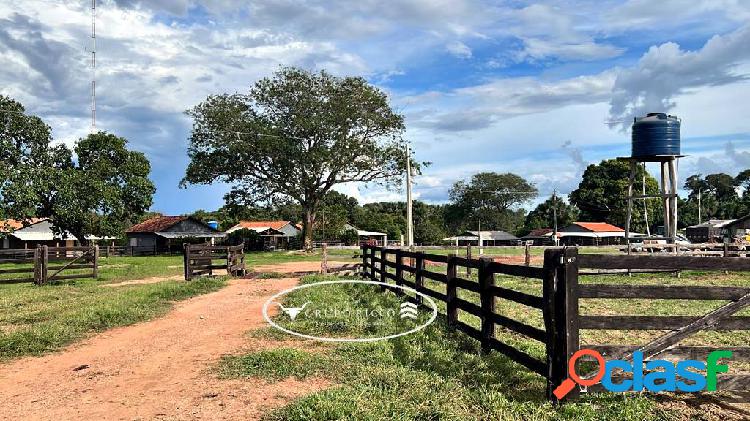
602, 195
296, 135
493, 199
543, 216
98, 188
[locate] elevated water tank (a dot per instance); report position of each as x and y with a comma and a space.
213, 224
656, 134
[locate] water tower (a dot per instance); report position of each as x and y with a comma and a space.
656, 138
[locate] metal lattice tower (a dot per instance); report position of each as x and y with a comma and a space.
93, 66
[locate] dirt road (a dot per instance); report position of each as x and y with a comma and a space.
157, 369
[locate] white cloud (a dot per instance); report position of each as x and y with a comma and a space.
667, 70
458, 49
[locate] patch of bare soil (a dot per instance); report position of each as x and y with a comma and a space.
161, 369
296, 267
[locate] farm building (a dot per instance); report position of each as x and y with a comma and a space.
374, 238
540, 237
274, 234
168, 233
32, 233
489, 238
738, 229
710, 231
591, 233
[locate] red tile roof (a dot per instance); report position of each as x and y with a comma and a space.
599, 227
539, 232
7, 225
157, 223
277, 225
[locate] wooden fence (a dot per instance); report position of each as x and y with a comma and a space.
46, 264
559, 303
200, 260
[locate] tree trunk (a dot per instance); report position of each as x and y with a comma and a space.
308, 229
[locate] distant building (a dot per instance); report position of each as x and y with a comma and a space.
168, 233
540, 237
274, 234
738, 229
374, 238
32, 233
711, 231
591, 234
489, 238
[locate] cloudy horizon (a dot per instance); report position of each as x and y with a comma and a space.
540, 89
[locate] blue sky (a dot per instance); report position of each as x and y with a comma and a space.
537, 88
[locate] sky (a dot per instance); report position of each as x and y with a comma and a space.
541, 89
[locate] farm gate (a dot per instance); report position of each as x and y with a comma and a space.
200, 260
559, 303
46, 264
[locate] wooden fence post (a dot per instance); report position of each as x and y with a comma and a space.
451, 291
96, 262
399, 270
324, 260
186, 262
527, 259
383, 268
372, 264
487, 300
468, 257
363, 253
38, 266
561, 314
418, 276
45, 261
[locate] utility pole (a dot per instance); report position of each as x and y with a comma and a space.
554, 216
409, 219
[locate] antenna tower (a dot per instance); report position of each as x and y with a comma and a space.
93, 66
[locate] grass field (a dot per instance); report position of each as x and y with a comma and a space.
432, 374
35, 320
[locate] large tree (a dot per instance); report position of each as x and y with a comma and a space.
105, 190
296, 135
492, 199
543, 216
99, 192
602, 195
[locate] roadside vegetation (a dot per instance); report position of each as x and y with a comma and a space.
433, 374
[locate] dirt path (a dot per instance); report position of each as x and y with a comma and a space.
291, 267
156, 369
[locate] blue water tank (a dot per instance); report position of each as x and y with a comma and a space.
214, 225
656, 134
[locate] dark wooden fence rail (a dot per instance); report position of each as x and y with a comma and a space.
200, 260
376, 265
560, 304
678, 327
50, 264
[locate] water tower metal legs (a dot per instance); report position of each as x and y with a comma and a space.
668, 195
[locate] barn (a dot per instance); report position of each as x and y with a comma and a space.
168, 233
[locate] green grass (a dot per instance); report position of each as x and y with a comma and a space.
35, 320
433, 374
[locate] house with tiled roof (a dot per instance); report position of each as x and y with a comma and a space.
591, 233
31, 233
168, 233
274, 234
